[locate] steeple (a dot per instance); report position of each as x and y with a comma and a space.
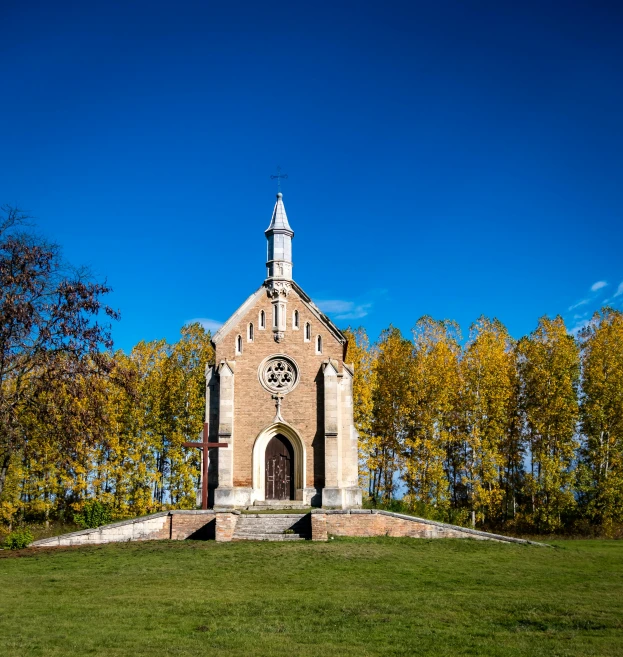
279, 236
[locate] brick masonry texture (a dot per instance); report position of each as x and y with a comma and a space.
254, 407
225, 526
381, 525
174, 525
364, 523
221, 526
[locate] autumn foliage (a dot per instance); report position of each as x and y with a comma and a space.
523, 434
518, 435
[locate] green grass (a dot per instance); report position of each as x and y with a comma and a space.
348, 597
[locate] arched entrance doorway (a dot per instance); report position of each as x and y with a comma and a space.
279, 469
298, 459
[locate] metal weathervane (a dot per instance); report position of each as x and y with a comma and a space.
279, 177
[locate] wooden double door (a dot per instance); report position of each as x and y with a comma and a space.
279, 469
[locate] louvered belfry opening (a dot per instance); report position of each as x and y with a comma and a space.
279, 469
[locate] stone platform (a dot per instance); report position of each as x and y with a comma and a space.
225, 526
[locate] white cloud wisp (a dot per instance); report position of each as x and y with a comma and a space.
211, 325
344, 309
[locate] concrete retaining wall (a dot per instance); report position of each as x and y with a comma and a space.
173, 525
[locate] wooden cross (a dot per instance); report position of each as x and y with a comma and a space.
204, 445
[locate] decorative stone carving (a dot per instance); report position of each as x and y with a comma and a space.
278, 374
278, 399
278, 289
279, 335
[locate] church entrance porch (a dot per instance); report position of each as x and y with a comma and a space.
279, 469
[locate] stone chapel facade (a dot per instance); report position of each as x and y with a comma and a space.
281, 396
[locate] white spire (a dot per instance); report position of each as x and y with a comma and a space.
279, 236
280, 219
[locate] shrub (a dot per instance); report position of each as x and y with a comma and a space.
18, 539
93, 514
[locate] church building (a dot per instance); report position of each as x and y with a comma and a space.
280, 396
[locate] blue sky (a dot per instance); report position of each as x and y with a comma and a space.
451, 159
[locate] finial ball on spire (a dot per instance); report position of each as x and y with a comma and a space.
279, 195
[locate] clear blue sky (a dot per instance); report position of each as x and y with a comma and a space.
444, 158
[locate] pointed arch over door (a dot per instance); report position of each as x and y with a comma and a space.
288, 436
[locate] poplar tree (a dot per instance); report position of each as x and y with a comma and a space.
488, 375
549, 367
601, 470
431, 438
391, 364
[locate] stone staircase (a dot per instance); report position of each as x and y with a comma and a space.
273, 527
268, 505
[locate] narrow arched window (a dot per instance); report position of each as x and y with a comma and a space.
318, 344
262, 320
275, 315
239, 344
250, 335
307, 332
295, 319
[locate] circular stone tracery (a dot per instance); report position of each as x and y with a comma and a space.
278, 374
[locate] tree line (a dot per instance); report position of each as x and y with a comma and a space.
522, 434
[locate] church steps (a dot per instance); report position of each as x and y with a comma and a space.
282, 526
269, 537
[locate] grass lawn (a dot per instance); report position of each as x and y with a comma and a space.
348, 597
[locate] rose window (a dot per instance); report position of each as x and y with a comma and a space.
278, 374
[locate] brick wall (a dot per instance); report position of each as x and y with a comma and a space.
225, 526
365, 523
193, 525
302, 408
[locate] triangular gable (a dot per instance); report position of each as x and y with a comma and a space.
250, 302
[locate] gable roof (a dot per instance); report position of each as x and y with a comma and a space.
250, 302
237, 316
340, 337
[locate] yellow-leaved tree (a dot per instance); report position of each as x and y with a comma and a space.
601, 468
430, 438
549, 366
390, 371
488, 404
185, 378
362, 356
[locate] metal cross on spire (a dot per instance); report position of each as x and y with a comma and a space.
279, 177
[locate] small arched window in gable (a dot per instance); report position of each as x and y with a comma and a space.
307, 332
318, 344
239, 344
262, 320
295, 320
250, 333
